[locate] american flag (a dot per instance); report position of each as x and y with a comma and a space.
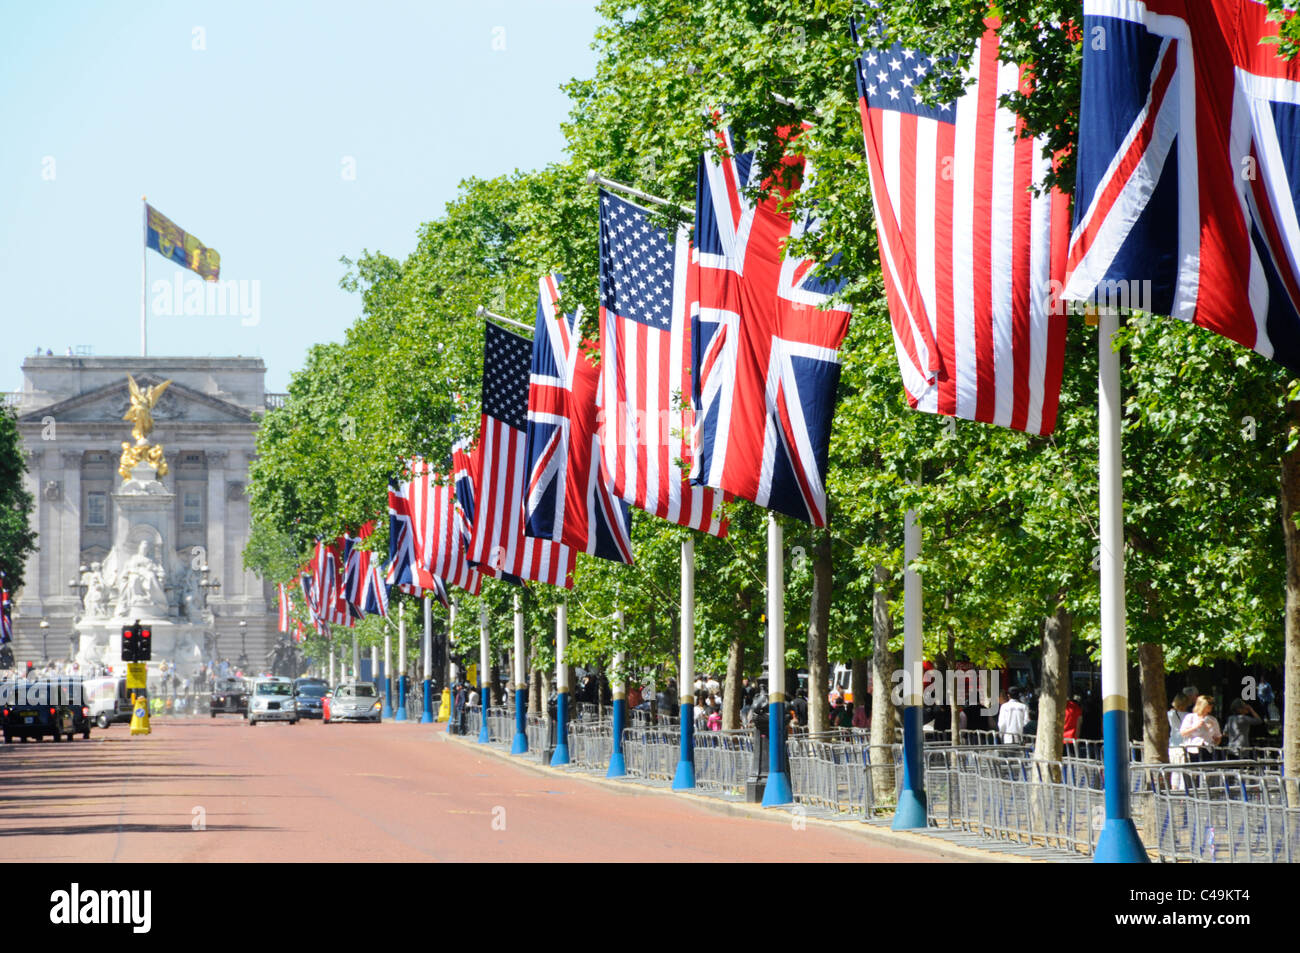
286, 607
330, 604
1189, 170
766, 346
498, 546
968, 251
445, 544
645, 363
570, 497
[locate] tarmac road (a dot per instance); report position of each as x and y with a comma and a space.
199, 790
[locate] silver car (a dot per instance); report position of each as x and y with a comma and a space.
355, 701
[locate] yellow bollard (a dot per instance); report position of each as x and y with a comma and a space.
139, 715
444, 706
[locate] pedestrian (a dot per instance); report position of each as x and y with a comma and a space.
1073, 716
1013, 715
1265, 696
1200, 730
860, 719
715, 718
1242, 717
800, 706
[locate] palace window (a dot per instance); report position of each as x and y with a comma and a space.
192, 508
96, 509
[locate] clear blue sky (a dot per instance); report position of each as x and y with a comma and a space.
244, 144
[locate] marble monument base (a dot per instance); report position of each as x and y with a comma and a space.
179, 644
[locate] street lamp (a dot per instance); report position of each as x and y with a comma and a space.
45, 627
243, 643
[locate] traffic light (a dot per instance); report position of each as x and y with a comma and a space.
130, 645
144, 645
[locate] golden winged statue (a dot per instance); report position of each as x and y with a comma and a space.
140, 413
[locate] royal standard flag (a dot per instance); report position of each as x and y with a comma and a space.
168, 240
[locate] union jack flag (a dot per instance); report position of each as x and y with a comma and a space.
570, 497
363, 584
1189, 168
6, 610
967, 250
400, 570
309, 600
645, 364
498, 546
765, 352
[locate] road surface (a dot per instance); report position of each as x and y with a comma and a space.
201, 790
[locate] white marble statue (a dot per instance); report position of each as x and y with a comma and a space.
141, 585
98, 597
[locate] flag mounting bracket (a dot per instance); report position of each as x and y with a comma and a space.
595, 178
482, 312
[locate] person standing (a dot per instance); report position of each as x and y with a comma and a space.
1241, 719
1073, 716
1013, 715
1177, 712
1200, 730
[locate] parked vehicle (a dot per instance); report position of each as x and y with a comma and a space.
272, 700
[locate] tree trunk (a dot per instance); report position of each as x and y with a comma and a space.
1291, 681
882, 683
819, 620
731, 691
1057, 631
861, 681
1155, 721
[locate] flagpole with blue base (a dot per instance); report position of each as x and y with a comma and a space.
561, 755
778, 790
520, 744
684, 779
618, 691
426, 651
399, 714
910, 813
1118, 841
388, 677
485, 687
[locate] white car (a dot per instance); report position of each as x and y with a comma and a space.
272, 700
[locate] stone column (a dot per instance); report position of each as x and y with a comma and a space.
215, 525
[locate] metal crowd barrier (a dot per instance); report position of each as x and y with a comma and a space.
501, 725
1217, 812
473, 720
591, 743
723, 760
538, 728
652, 752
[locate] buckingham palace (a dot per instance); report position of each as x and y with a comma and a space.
122, 536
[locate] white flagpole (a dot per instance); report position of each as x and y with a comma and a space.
778, 790
520, 743
684, 778
144, 267
911, 810
485, 687
1118, 841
